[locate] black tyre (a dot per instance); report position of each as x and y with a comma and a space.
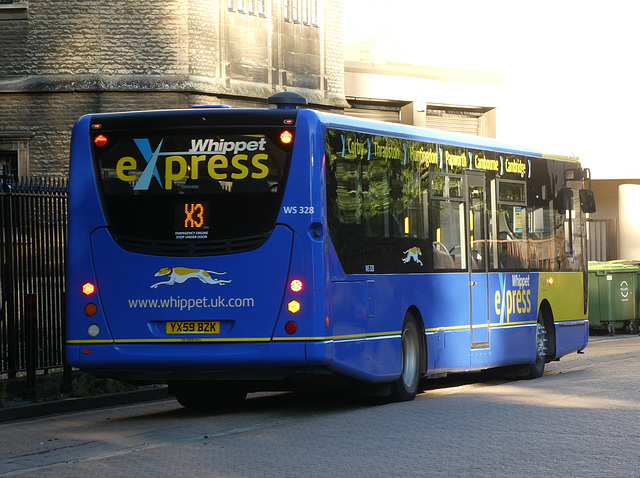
536, 369
193, 400
406, 387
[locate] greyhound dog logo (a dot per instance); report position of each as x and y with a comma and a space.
181, 274
412, 254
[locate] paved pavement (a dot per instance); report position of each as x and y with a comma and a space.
578, 420
25, 409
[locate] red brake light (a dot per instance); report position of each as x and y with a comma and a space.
286, 137
295, 285
100, 140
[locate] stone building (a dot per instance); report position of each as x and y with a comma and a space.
65, 58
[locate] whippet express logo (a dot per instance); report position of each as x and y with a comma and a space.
178, 275
220, 159
412, 254
516, 297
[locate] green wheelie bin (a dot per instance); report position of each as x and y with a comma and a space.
612, 296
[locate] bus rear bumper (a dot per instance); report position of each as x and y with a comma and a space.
157, 363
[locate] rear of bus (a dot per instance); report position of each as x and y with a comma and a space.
183, 266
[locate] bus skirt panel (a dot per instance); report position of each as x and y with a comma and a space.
571, 336
272, 360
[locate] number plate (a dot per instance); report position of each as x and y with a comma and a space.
199, 327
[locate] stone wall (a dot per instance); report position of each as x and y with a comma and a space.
68, 58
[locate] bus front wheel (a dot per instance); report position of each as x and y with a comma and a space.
406, 387
536, 369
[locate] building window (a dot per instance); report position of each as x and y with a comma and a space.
314, 13
250, 7
13, 11
14, 152
301, 11
287, 10
9, 163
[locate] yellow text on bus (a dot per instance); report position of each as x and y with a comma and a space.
178, 167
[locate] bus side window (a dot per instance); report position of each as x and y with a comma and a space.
442, 258
448, 250
512, 227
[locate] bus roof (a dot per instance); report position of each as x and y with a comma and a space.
131, 119
435, 136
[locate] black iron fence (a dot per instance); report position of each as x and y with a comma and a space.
33, 229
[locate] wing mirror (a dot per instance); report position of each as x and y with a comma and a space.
587, 201
565, 196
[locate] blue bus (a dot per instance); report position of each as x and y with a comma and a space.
224, 251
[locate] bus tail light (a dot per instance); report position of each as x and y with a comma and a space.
291, 327
293, 306
296, 285
88, 288
100, 140
90, 309
286, 137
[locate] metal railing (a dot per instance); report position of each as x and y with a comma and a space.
33, 232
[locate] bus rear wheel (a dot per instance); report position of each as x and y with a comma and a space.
193, 400
203, 395
406, 387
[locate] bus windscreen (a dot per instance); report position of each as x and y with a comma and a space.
191, 193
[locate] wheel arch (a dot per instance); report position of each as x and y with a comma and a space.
546, 313
414, 312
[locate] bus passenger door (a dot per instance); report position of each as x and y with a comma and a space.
477, 256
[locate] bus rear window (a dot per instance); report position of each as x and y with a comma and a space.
192, 186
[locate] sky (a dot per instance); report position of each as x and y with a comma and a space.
570, 67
